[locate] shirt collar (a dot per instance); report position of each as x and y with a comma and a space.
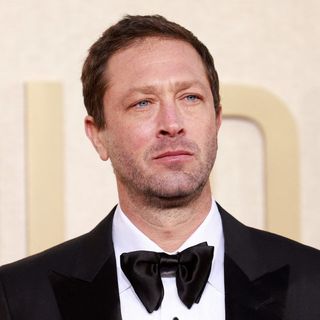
127, 237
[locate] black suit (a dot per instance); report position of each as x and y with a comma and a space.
267, 277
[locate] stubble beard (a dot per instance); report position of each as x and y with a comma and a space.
175, 187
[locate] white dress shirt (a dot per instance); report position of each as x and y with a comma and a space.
127, 238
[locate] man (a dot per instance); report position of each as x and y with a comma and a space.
167, 251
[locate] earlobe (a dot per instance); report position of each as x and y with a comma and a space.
96, 136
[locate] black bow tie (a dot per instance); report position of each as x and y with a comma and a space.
191, 267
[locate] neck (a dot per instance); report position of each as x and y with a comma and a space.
169, 226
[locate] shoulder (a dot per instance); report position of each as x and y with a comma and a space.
267, 248
282, 248
55, 257
66, 256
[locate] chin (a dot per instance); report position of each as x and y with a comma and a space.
174, 196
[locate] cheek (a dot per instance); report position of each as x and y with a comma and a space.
135, 137
203, 128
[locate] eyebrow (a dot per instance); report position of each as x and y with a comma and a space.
181, 85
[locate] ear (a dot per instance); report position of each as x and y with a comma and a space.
218, 117
96, 136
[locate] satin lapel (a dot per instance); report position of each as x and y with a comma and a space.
256, 284
79, 299
263, 298
86, 285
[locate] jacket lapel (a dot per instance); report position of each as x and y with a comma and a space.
90, 289
263, 298
256, 284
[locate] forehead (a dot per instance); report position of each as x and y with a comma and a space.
154, 57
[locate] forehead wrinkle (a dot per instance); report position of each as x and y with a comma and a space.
173, 86
188, 84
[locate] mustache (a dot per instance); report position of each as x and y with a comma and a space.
172, 145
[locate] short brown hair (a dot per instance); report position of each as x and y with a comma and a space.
120, 36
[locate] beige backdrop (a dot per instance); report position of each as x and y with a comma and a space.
256, 44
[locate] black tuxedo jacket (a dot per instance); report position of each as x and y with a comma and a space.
267, 277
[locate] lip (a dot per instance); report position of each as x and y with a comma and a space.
176, 155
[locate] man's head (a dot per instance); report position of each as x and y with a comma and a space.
120, 36
161, 121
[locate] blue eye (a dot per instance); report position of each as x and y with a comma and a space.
192, 98
142, 104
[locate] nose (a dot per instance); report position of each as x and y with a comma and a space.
170, 121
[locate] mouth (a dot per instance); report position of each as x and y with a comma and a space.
174, 156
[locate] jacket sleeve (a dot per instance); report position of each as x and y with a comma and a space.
4, 309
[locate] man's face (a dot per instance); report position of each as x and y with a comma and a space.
161, 125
